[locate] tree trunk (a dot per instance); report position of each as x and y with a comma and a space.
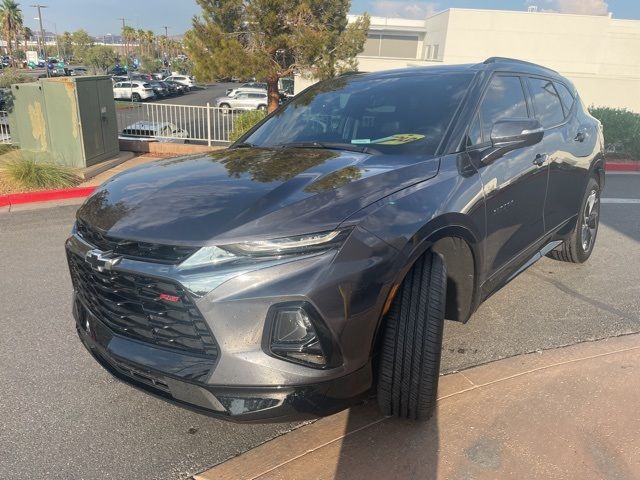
273, 95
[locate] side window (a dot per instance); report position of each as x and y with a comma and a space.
565, 97
474, 136
504, 99
546, 102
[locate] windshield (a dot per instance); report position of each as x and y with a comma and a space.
404, 114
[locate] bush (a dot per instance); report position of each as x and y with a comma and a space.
10, 76
243, 122
27, 172
621, 129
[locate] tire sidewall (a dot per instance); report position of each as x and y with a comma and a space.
582, 254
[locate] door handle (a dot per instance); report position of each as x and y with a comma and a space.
540, 159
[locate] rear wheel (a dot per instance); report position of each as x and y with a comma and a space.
412, 342
579, 246
135, 97
225, 108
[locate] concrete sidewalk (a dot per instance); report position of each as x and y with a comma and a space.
566, 413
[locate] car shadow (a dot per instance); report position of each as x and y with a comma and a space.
386, 448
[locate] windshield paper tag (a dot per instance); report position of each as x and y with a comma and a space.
398, 139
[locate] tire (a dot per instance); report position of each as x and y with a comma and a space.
262, 108
412, 342
135, 97
579, 246
225, 108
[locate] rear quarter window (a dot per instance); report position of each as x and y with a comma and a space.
546, 102
566, 97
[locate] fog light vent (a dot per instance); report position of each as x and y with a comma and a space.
294, 337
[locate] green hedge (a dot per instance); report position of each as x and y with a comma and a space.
621, 129
243, 122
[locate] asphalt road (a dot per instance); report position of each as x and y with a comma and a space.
63, 417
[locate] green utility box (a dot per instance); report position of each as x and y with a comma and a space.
71, 118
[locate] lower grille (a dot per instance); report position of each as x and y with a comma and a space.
143, 308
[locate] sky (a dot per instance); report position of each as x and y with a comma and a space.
100, 17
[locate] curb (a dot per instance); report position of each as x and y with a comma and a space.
623, 167
44, 196
80, 192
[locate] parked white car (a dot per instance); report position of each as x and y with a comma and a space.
155, 131
254, 87
184, 80
235, 91
243, 101
133, 90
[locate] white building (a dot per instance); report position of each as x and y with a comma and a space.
600, 54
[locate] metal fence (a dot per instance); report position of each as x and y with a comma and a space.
5, 134
175, 123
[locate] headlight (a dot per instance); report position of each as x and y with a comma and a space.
310, 243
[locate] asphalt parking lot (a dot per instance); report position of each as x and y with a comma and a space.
64, 417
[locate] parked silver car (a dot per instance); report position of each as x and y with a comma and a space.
243, 101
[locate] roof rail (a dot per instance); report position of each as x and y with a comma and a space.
515, 60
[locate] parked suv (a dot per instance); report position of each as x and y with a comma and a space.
243, 100
315, 260
185, 80
133, 90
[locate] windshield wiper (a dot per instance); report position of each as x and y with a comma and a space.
329, 146
245, 145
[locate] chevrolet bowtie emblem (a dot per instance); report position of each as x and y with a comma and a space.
101, 261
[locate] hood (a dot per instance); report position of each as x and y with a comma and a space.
240, 194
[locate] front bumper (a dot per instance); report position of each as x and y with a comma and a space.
241, 380
178, 378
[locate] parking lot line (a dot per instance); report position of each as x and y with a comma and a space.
620, 200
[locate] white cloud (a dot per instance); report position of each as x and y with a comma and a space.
413, 9
582, 7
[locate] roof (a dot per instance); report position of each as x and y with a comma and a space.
490, 64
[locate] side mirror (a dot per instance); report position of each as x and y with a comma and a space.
508, 135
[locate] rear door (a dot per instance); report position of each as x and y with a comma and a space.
565, 139
514, 186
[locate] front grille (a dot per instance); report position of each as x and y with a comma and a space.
133, 249
131, 305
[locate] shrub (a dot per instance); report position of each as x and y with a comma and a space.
621, 129
10, 76
27, 172
243, 122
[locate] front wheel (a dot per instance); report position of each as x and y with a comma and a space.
579, 246
412, 342
262, 108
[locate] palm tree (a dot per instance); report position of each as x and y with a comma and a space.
141, 37
27, 34
149, 37
11, 21
128, 36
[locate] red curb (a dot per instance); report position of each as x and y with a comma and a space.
45, 196
623, 167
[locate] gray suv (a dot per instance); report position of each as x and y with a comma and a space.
313, 262
252, 99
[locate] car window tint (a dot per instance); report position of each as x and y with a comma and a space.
474, 137
565, 97
402, 114
546, 102
504, 99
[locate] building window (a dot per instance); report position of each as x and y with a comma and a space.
387, 45
428, 55
436, 49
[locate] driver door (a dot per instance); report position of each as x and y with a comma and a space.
515, 184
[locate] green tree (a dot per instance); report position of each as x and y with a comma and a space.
27, 34
11, 20
149, 64
66, 44
271, 39
82, 42
101, 57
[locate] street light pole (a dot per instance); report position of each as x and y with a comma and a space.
44, 42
